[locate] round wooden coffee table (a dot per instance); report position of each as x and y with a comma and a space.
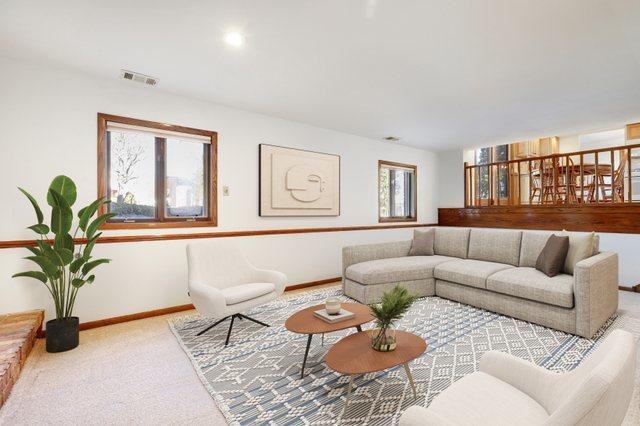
354, 355
304, 322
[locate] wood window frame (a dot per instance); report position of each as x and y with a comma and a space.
414, 218
161, 221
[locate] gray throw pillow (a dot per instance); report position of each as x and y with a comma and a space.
422, 244
552, 257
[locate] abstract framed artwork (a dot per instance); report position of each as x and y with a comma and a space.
295, 182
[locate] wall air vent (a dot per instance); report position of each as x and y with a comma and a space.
392, 139
138, 78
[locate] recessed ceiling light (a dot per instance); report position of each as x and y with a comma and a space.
234, 39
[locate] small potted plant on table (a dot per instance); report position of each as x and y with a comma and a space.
66, 264
393, 306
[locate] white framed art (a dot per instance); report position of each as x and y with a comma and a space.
295, 182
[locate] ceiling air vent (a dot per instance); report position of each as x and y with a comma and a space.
138, 78
392, 139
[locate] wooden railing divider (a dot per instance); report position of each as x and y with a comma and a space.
565, 178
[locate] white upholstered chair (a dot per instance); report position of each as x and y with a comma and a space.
223, 284
510, 391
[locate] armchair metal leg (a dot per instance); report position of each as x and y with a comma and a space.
240, 316
233, 317
211, 326
226, 342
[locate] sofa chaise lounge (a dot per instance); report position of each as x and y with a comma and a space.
493, 269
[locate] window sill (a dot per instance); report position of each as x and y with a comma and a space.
160, 225
397, 219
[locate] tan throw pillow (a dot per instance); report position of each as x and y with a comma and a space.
422, 244
580, 248
553, 255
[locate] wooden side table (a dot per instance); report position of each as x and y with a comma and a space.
354, 355
304, 322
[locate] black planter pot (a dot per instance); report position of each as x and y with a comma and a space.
62, 334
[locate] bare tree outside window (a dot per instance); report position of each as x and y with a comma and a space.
132, 168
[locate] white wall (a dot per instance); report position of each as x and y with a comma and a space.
451, 194
48, 122
450, 178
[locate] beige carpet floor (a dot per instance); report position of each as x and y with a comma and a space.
136, 373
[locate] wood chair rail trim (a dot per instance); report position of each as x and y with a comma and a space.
111, 239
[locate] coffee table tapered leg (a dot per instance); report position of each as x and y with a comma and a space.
349, 387
413, 386
306, 353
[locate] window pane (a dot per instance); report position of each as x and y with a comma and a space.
483, 182
398, 206
502, 153
132, 175
383, 188
503, 181
185, 179
483, 156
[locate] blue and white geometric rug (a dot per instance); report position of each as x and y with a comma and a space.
256, 379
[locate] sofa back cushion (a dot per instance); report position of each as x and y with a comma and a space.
495, 245
452, 242
533, 242
581, 246
422, 243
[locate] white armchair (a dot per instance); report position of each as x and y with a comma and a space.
222, 283
510, 391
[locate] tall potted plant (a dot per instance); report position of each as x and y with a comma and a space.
394, 304
65, 263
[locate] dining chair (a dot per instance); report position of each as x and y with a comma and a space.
612, 191
536, 186
566, 181
223, 284
558, 182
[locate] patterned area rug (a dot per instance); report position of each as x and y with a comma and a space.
256, 379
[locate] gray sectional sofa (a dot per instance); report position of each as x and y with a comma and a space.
492, 269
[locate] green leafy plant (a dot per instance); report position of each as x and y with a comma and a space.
394, 304
65, 266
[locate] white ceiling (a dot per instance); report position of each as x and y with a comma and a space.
439, 74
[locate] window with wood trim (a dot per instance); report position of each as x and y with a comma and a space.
397, 192
156, 175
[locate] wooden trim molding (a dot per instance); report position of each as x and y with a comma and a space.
312, 283
172, 309
612, 218
222, 234
634, 289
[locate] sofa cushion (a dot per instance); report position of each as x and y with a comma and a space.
495, 245
529, 283
553, 255
581, 246
422, 243
481, 399
468, 272
452, 242
243, 292
395, 269
533, 242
